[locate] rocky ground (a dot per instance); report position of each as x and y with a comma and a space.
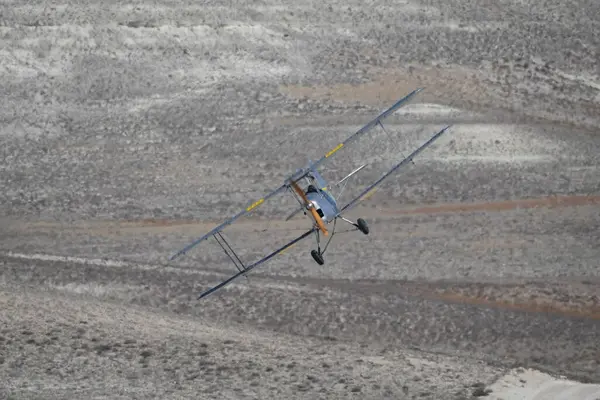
127, 129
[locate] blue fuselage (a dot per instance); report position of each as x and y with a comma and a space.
324, 203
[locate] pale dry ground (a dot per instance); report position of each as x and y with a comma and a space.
126, 129
106, 350
531, 384
542, 315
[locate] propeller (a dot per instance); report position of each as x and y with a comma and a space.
310, 207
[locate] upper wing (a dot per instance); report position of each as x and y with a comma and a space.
299, 174
256, 264
245, 211
371, 189
403, 101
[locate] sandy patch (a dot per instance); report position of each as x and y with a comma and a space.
388, 86
520, 384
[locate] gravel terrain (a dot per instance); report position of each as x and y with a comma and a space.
129, 128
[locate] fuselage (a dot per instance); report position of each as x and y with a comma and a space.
324, 203
317, 193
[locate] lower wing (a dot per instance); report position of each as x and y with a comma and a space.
256, 264
370, 189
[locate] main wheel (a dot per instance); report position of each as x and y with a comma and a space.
362, 226
318, 257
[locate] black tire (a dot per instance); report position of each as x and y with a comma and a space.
317, 257
362, 226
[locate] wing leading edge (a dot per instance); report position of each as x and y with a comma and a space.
229, 221
402, 102
256, 264
370, 189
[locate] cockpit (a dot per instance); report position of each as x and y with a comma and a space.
313, 189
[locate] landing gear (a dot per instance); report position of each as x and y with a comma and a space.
362, 226
318, 257
360, 223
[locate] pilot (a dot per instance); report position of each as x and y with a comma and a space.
311, 189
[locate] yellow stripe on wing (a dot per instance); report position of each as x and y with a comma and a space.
284, 251
339, 146
255, 204
369, 194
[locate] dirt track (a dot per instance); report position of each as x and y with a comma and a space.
548, 202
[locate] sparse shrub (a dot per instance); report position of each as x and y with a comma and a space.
481, 392
101, 348
221, 369
192, 376
146, 353
302, 387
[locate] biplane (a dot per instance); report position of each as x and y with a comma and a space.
315, 199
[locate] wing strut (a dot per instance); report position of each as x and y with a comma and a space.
256, 264
231, 253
